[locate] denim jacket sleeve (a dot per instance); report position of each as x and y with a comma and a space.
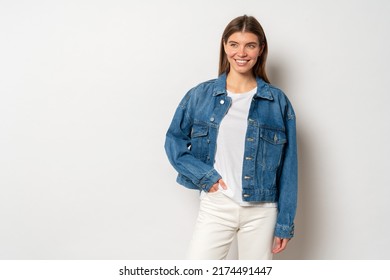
288, 181
177, 147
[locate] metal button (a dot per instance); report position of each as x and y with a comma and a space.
250, 139
222, 101
248, 158
212, 119
247, 177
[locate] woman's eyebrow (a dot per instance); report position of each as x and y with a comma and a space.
231, 41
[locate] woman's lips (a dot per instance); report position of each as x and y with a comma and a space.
241, 62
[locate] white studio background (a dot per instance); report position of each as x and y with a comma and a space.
88, 89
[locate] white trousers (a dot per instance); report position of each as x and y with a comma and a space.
220, 219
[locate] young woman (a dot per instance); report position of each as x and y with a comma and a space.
234, 139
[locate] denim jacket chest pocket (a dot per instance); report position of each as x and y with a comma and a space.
200, 141
271, 147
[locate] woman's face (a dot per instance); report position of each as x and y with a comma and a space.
242, 50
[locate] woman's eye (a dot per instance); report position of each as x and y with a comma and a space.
233, 45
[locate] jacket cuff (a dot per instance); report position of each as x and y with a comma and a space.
284, 231
209, 180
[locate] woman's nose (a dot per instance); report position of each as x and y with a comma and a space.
241, 52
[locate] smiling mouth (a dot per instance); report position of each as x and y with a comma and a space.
241, 61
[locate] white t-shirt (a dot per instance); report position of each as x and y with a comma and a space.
231, 146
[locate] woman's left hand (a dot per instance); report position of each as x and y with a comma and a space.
279, 244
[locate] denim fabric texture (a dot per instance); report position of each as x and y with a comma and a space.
270, 165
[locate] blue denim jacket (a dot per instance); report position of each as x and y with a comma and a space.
270, 156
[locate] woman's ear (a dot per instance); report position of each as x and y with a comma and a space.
224, 45
261, 49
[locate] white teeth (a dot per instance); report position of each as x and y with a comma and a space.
241, 61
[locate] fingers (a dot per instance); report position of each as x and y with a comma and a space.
215, 187
279, 244
222, 184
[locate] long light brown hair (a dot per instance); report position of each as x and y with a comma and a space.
245, 24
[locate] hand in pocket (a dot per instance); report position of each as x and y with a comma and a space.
215, 187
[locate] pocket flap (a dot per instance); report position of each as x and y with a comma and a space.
273, 136
199, 130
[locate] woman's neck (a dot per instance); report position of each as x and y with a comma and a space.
239, 83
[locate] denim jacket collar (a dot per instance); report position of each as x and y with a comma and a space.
262, 88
